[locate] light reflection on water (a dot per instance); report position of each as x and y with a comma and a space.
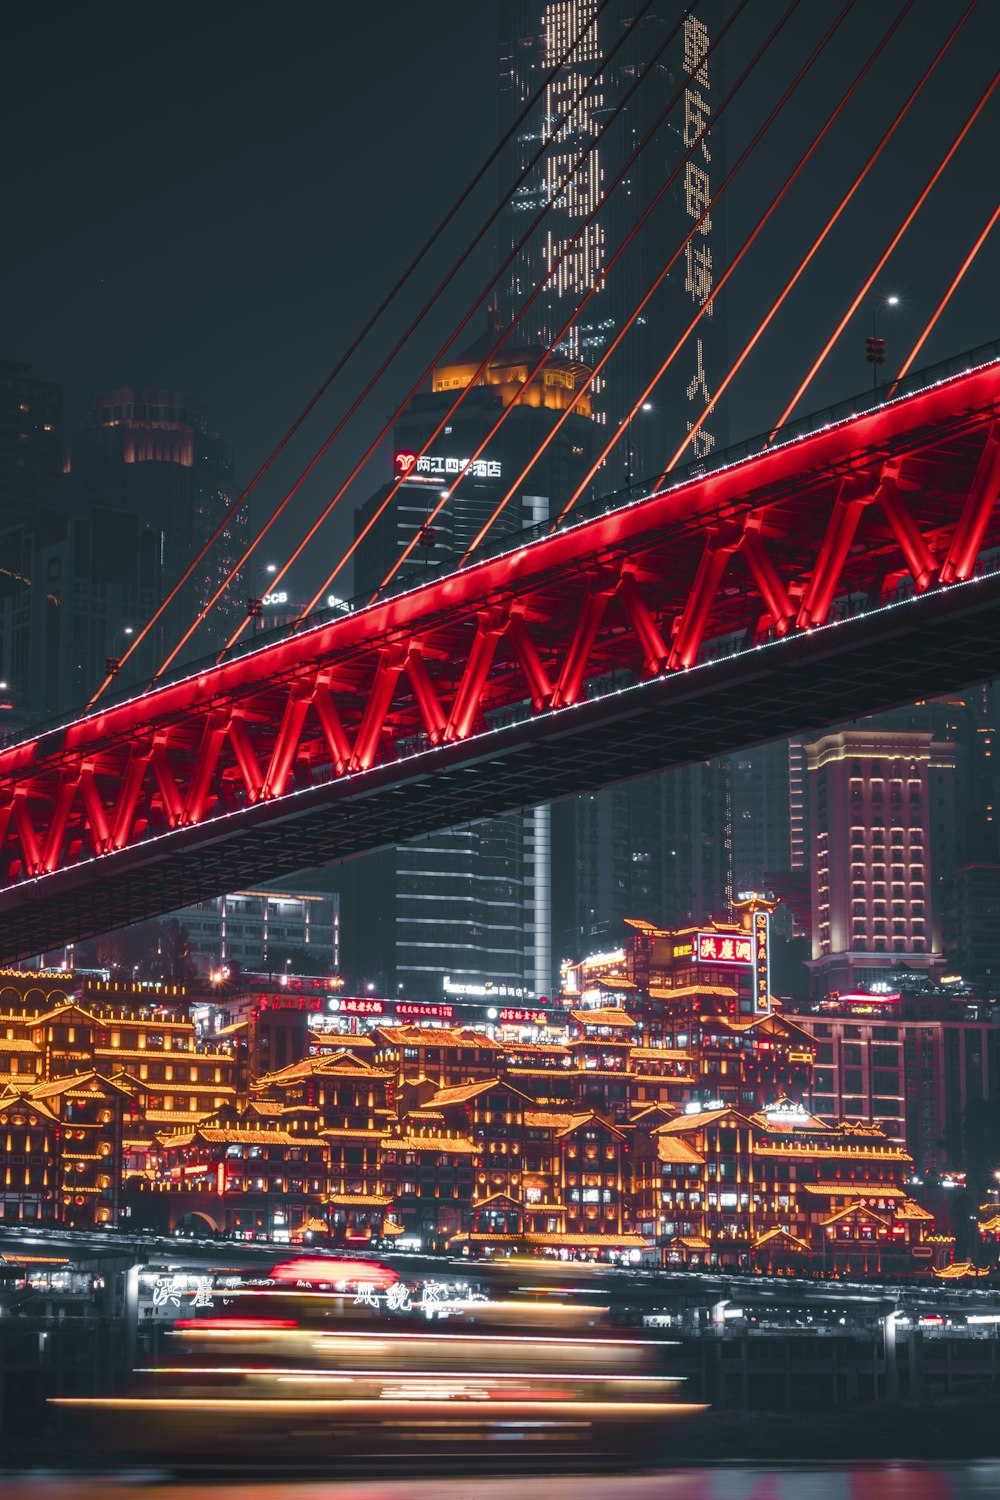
977, 1481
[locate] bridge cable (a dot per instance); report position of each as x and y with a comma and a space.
383, 306
866, 286
345, 558
967, 262
558, 124
637, 311
814, 248
766, 216
504, 335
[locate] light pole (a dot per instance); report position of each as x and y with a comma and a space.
875, 353
113, 663
255, 604
629, 453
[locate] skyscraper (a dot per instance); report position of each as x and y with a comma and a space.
31, 440
143, 484
468, 907
879, 798
577, 121
662, 845
155, 454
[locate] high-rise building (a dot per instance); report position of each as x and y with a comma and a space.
155, 454
31, 441
273, 931
613, 114
910, 1064
878, 798
31, 457
145, 482
469, 905
661, 844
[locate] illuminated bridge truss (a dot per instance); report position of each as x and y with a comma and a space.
824, 578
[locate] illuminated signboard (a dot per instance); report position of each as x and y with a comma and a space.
279, 597
415, 1012
724, 948
351, 1007
523, 1017
426, 468
761, 962
860, 997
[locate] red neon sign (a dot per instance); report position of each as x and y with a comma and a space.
361, 1008
404, 1008
527, 1017
724, 948
405, 462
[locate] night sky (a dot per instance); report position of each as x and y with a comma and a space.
212, 198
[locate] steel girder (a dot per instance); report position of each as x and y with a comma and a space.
214, 779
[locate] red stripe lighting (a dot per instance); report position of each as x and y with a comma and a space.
729, 949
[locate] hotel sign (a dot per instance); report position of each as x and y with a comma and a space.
724, 948
426, 467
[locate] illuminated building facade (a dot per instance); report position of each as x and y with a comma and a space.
268, 930
655, 1119
534, 36
910, 1063
471, 903
874, 891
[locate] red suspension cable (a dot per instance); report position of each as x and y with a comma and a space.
817, 242
505, 334
866, 287
967, 262
601, 281
472, 309
637, 312
751, 238
343, 360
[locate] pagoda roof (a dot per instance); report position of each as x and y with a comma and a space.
792, 1240
672, 1148
684, 1123
914, 1211
852, 1189
9, 1100
960, 1270
506, 1198
554, 1119
858, 1209
584, 1119
462, 1092
459, 1144
357, 1200
605, 1015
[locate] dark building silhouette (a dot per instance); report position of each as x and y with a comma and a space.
467, 907
89, 554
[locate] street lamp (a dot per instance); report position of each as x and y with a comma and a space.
874, 346
255, 604
113, 663
629, 453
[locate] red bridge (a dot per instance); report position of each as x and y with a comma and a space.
837, 572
